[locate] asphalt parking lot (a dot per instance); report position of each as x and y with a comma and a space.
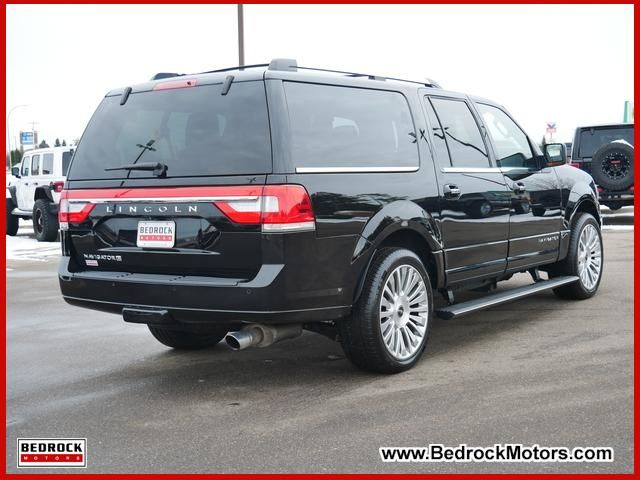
540, 371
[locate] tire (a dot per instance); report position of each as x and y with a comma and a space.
45, 223
13, 222
581, 289
361, 334
181, 339
612, 166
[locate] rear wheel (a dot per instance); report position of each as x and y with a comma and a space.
13, 222
182, 339
584, 260
45, 223
389, 326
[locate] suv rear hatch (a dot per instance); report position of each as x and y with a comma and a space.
589, 139
167, 179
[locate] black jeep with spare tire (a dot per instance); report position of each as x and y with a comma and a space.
255, 202
606, 152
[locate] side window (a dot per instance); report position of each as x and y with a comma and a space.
342, 127
510, 142
66, 160
35, 165
466, 147
26, 166
439, 143
47, 164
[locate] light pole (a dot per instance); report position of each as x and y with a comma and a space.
240, 35
8, 134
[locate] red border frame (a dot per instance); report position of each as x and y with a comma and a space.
636, 355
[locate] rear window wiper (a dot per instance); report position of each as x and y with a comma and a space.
158, 169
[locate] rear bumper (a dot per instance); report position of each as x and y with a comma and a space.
620, 198
193, 300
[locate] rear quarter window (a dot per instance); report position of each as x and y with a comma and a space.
337, 128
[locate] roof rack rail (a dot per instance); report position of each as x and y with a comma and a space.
161, 75
291, 65
429, 83
239, 67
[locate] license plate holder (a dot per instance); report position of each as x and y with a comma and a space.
156, 234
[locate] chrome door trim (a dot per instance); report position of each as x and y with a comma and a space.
355, 169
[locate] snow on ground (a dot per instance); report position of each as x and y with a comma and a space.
24, 246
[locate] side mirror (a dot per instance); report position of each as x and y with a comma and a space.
555, 154
15, 171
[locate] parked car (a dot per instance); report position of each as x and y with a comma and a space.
252, 203
35, 192
606, 152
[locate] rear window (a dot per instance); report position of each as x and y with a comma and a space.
341, 127
594, 138
194, 131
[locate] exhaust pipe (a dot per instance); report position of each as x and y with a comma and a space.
256, 335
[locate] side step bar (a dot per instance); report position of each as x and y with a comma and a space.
458, 309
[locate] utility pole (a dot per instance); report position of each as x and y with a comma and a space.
240, 35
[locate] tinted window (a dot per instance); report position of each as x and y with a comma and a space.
47, 164
511, 144
461, 132
35, 165
349, 127
193, 131
66, 160
439, 142
593, 138
26, 166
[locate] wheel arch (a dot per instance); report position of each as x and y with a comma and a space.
403, 224
585, 204
43, 193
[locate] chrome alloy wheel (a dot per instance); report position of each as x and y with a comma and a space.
404, 312
589, 257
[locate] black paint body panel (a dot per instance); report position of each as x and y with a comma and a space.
224, 272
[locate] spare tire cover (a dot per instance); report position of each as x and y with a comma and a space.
612, 166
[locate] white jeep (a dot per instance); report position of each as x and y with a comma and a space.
34, 192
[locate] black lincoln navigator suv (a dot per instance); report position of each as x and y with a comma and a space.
251, 203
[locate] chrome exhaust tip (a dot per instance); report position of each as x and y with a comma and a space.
256, 335
242, 339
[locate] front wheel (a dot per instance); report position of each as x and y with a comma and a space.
182, 339
389, 326
584, 260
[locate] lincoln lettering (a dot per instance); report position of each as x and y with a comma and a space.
152, 209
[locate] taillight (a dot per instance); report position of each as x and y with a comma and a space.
57, 186
575, 164
278, 208
72, 211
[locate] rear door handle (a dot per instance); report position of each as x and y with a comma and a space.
519, 188
451, 191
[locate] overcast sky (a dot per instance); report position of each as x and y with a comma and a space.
572, 64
